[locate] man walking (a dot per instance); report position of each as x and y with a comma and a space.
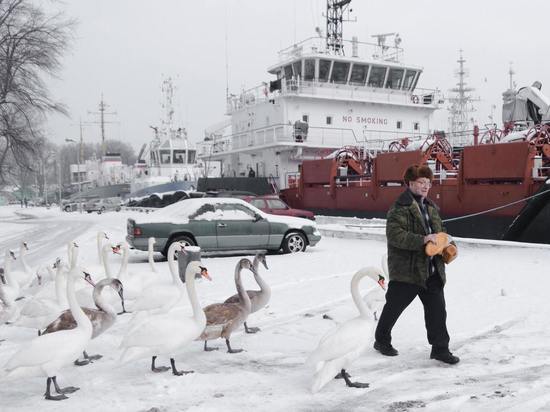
412, 222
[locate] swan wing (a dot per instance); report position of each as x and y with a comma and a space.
221, 313
252, 294
344, 339
45, 348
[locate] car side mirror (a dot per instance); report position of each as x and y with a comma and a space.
258, 217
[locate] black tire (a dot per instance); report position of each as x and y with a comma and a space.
117, 209
294, 242
186, 240
67, 209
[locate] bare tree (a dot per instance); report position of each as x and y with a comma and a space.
31, 46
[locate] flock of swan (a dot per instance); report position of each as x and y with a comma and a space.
68, 309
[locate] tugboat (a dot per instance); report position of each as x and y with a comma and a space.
167, 163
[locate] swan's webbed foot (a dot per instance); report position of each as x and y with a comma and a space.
231, 350
51, 397
157, 369
82, 362
177, 372
207, 349
67, 389
340, 376
253, 329
353, 384
92, 357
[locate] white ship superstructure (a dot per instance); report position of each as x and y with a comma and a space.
167, 160
318, 101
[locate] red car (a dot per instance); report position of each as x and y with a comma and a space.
272, 204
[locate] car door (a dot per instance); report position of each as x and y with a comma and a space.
202, 225
238, 227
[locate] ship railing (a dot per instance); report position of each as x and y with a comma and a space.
419, 97
281, 133
359, 49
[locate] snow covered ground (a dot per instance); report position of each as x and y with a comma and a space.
498, 319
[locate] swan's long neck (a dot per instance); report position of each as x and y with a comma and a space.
173, 271
22, 253
79, 316
151, 260
259, 280
198, 313
105, 258
240, 289
363, 310
99, 299
124, 266
10, 281
100, 237
59, 285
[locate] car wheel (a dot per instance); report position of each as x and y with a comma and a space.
186, 240
294, 242
67, 209
117, 209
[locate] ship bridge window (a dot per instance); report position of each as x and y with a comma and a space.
297, 67
165, 156
324, 70
340, 72
409, 79
395, 79
377, 76
359, 74
288, 71
179, 156
191, 155
309, 69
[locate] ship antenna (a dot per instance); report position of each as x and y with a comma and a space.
226, 59
511, 73
335, 11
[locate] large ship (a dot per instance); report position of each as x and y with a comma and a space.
339, 122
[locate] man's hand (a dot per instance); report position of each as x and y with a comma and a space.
430, 238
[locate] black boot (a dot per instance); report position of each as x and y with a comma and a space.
385, 349
444, 355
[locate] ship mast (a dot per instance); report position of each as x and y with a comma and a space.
461, 107
335, 39
102, 112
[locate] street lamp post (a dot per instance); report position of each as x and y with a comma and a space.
78, 181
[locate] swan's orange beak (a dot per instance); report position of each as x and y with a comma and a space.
382, 282
204, 273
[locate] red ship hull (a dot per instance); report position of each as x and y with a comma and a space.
491, 176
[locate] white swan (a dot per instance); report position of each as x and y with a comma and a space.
150, 251
24, 277
167, 333
224, 318
258, 298
102, 317
133, 282
345, 343
39, 311
85, 297
161, 297
47, 354
9, 292
101, 235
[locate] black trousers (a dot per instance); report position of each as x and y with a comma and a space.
400, 295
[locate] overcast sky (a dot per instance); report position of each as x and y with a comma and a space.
123, 48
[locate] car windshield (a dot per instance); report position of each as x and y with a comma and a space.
276, 204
